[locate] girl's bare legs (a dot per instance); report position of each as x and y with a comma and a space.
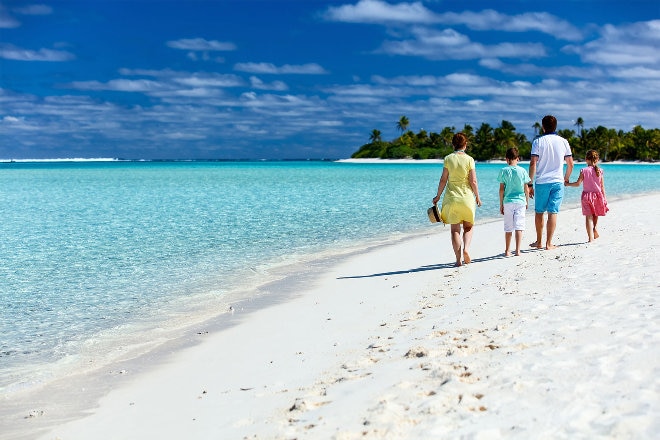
588, 222
456, 242
467, 238
507, 243
519, 235
595, 224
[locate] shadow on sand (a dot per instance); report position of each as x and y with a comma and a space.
444, 265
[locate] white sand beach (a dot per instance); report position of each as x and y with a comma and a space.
396, 343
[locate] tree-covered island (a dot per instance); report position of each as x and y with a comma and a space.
489, 143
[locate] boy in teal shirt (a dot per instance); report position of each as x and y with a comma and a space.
514, 198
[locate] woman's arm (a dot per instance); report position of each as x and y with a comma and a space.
441, 185
472, 177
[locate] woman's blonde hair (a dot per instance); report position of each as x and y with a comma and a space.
592, 156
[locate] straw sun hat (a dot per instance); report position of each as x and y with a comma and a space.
434, 214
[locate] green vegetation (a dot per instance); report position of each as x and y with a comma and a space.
488, 143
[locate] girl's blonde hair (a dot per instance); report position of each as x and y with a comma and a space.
592, 156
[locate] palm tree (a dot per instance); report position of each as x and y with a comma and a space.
579, 123
537, 128
403, 123
375, 136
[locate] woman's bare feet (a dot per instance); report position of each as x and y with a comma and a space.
596, 234
466, 257
507, 253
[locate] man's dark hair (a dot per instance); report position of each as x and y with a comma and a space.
549, 124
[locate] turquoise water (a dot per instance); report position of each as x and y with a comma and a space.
96, 255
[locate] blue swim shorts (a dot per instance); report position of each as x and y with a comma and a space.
548, 197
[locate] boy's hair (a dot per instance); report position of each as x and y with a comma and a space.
549, 124
459, 141
512, 153
592, 156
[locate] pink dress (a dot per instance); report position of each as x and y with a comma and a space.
593, 199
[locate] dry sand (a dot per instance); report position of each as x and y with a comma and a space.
396, 343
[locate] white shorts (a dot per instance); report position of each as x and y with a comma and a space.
514, 217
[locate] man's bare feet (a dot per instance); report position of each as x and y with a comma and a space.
535, 245
466, 257
550, 247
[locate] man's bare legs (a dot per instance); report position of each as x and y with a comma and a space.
456, 242
550, 230
539, 223
552, 225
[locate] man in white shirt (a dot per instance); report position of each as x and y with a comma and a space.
549, 152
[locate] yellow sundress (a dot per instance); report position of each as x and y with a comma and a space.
458, 203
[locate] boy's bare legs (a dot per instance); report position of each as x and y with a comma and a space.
552, 225
507, 243
589, 224
456, 242
595, 224
467, 239
519, 235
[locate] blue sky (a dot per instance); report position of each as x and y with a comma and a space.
244, 79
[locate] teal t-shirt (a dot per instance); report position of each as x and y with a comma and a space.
514, 179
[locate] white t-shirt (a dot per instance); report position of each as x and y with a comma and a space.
551, 150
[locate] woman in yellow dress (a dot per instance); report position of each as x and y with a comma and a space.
459, 178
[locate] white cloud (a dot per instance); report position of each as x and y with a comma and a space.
489, 20
376, 11
286, 69
449, 44
380, 12
120, 85
201, 45
11, 52
256, 83
626, 45
39, 9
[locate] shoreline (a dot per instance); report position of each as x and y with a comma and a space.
323, 348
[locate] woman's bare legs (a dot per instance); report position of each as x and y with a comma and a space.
456, 242
467, 238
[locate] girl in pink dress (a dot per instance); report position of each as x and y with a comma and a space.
594, 203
